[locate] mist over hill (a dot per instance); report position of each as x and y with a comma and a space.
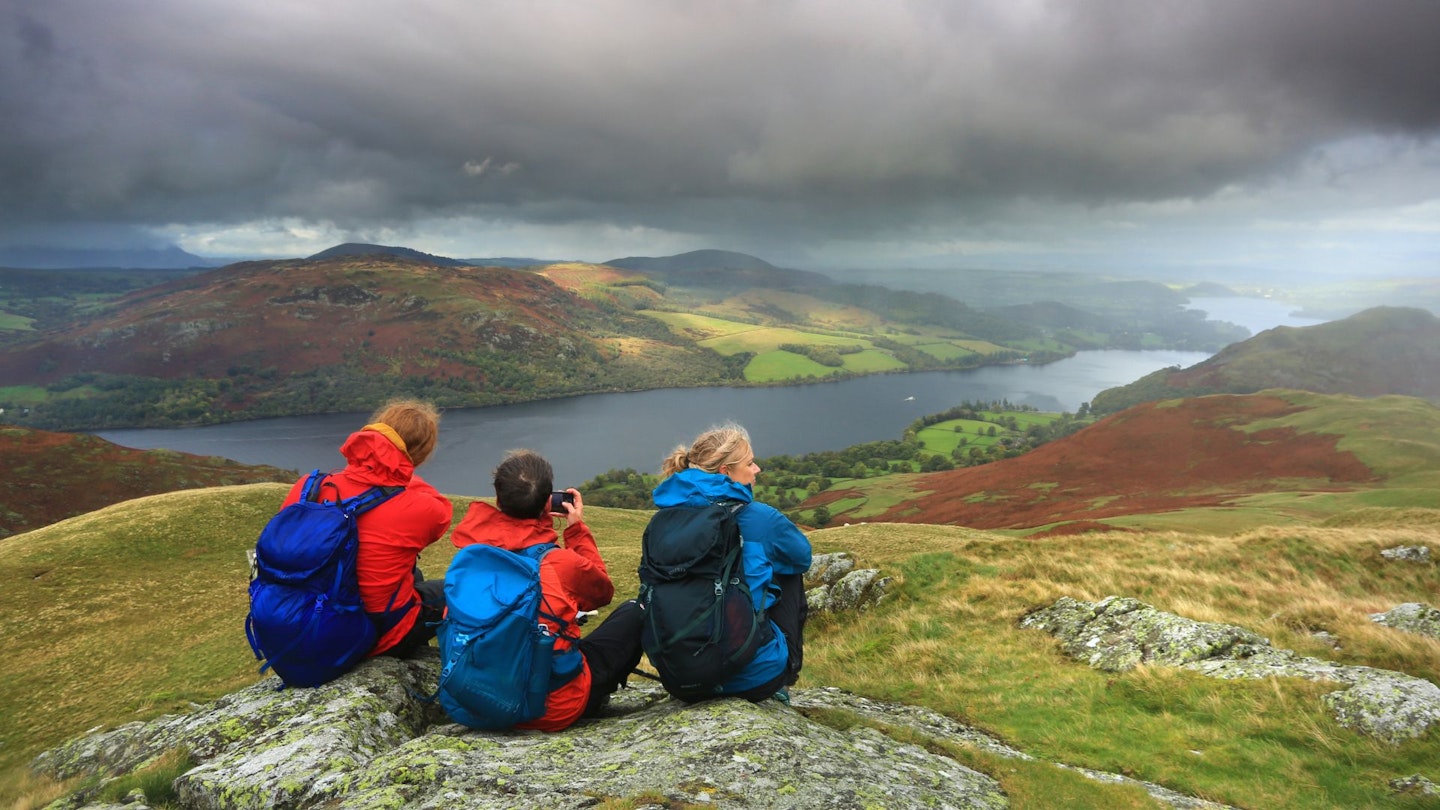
53, 258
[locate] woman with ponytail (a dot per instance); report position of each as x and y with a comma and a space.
720, 466
400, 437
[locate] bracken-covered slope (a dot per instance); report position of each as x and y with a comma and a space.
1194, 459
1384, 350
284, 337
52, 476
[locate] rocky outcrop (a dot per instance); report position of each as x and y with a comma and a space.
1412, 617
367, 740
1117, 634
1418, 554
833, 584
1414, 785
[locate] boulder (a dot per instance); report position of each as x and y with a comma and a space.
1412, 617
833, 584
1420, 554
1118, 634
1414, 785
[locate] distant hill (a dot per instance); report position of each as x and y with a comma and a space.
510, 261
341, 334
52, 476
1190, 463
361, 249
720, 268
1385, 350
694, 260
50, 258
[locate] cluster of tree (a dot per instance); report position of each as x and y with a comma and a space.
788, 481
830, 356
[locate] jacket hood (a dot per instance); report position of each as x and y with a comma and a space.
485, 524
373, 459
694, 487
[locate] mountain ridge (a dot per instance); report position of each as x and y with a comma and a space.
1381, 350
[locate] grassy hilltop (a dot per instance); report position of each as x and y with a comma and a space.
137, 610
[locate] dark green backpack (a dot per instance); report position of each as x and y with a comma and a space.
701, 626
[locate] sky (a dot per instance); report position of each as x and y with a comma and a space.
1196, 136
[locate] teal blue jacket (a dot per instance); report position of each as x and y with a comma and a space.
773, 547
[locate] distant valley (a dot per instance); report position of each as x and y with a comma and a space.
347, 328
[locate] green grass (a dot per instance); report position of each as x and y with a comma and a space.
777, 366
951, 643
944, 351
147, 598
871, 361
11, 321
23, 394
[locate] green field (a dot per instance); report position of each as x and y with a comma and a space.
13, 322
771, 364
776, 366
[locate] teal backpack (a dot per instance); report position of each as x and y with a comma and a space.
498, 661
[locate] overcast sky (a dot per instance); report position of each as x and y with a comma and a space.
1233, 135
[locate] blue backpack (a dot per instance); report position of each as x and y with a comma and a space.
498, 661
306, 620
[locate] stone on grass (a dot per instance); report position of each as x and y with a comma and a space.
1412, 617
1117, 634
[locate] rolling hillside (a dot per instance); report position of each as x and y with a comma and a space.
52, 476
288, 337
1384, 350
1224, 462
149, 600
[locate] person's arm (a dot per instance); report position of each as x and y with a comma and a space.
585, 576
787, 546
432, 509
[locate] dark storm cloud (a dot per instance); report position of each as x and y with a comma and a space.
792, 117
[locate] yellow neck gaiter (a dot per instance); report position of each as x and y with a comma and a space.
389, 433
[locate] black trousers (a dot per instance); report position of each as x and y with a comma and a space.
612, 650
432, 610
788, 613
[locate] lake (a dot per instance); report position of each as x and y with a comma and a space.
586, 435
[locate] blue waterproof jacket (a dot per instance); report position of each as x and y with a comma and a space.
773, 547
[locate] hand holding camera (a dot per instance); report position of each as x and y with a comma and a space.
566, 504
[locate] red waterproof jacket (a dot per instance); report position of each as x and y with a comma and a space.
572, 578
393, 534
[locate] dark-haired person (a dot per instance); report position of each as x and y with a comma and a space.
400, 437
720, 465
572, 579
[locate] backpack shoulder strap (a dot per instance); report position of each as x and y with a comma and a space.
537, 553
371, 498
311, 491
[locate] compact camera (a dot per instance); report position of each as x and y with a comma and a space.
558, 501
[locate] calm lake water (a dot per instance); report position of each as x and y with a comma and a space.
587, 435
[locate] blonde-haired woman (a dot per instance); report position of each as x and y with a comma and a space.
720, 466
384, 453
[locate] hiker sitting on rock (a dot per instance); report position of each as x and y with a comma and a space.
385, 453
719, 468
572, 579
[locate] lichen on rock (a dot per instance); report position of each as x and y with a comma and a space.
1117, 634
833, 584
1417, 554
369, 740
1412, 617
